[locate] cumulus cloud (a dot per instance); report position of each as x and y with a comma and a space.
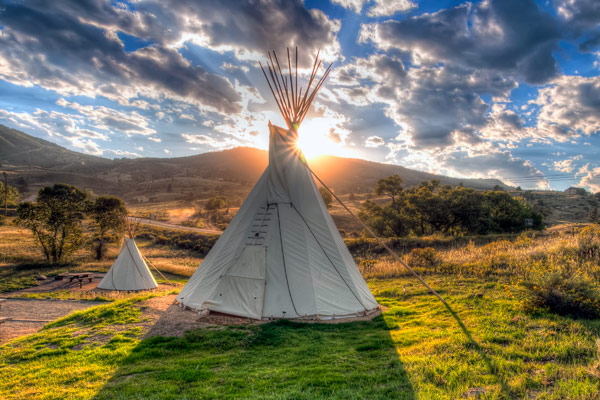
73, 48
591, 179
390, 7
432, 105
580, 12
569, 107
513, 36
354, 5
379, 8
61, 50
374, 141
109, 119
211, 142
567, 165
248, 28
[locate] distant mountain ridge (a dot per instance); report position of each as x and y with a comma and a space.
34, 162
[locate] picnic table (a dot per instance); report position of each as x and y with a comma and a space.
80, 276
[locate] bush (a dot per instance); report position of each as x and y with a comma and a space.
561, 290
424, 259
589, 242
367, 266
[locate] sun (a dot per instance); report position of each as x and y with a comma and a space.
314, 139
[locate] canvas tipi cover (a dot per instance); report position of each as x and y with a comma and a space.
129, 272
282, 255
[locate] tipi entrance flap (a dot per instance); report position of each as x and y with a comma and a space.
241, 289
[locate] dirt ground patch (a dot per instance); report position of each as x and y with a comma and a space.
29, 315
161, 317
174, 320
52, 285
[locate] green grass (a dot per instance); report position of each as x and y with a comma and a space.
416, 350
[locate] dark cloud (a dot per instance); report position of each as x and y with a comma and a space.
60, 50
72, 47
259, 25
583, 13
436, 104
507, 35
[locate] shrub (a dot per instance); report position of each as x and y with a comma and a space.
367, 266
589, 242
524, 240
562, 290
500, 246
424, 259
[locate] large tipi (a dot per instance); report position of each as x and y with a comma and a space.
282, 255
130, 271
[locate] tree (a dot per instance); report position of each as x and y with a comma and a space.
10, 196
108, 213
216, 203
55, 219
327, 197
390, 186
435, 208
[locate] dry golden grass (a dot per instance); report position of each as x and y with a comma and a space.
500, 257
169, 260
17, 245
21, 259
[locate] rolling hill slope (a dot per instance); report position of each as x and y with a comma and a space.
33, 163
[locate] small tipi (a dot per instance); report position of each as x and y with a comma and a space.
130, 271
282, 255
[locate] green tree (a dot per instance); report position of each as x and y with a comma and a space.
55, 219
435, 208
390, 186
327, 197
216, 203
108, 213
11, 195
508, 214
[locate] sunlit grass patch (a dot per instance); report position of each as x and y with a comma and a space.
414, 350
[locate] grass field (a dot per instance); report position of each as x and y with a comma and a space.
417, 349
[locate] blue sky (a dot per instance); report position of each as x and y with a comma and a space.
505, 89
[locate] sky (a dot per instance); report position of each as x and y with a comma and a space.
506, 89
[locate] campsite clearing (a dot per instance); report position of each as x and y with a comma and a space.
415, 350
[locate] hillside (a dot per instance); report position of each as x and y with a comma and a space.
34, 163
18, 149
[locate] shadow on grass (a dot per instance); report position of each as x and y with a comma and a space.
474, 345
281, 359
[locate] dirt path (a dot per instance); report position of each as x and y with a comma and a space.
180, 227
161, 316
29, 315
52, 285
